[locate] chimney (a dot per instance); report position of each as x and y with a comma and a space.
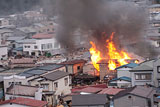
104, 70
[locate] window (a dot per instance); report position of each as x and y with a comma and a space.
158, 82
158, 69
56, 45
45, 86
66, 81
55, 85
43, 46
144, 76
35, 47
78, 67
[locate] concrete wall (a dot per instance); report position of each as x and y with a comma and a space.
134, 101
123, 72
156, 74
141, 82
4, 52
14, 78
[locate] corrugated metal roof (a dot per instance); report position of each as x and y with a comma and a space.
50, 67
142, 68
93, 99
55, 75
124, 78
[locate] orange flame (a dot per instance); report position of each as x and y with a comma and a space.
116, 58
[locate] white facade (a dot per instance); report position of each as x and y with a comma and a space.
14, 79
4, 22
3, 52
141, 81
123, 72
41, 45
60, 89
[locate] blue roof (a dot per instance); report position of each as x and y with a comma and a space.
40, 70
130, 65
121, 78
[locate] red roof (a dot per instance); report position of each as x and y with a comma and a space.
75, 89
42, 36
26, 102
111, 91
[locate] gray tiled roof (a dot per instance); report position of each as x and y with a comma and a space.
55, 75
92, 99
50, 67
141, 91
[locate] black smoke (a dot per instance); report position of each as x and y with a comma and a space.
97, 16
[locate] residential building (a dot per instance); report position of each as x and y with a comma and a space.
138, 96
74, 66
22, 63
121, 82
25, 91
123, 71
4, 22
23, 102
42, 43
57, 82
14, 79
142, 74
4, 52
156, 73
90, 100
111, 91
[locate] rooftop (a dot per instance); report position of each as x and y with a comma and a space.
110, 91
55, 75
26, 102
72, 62
121, 78
43, 36
92, 99
141, 91
142, 68
130, 65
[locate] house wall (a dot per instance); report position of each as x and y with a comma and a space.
134, 101
123, 72
122, 84
4, 52
47, 41
61, 86
30, 49
89, 69
39, 43
75, 67
4, 22
141, 82
156, 74
14, 79
8, 97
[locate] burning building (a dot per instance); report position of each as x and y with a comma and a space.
106, 61
112, 28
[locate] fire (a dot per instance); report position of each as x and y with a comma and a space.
115, 57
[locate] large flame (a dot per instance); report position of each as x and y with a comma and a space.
115, 57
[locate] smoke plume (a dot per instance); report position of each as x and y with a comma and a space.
97, 16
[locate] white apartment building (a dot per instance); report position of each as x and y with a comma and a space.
40, 45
